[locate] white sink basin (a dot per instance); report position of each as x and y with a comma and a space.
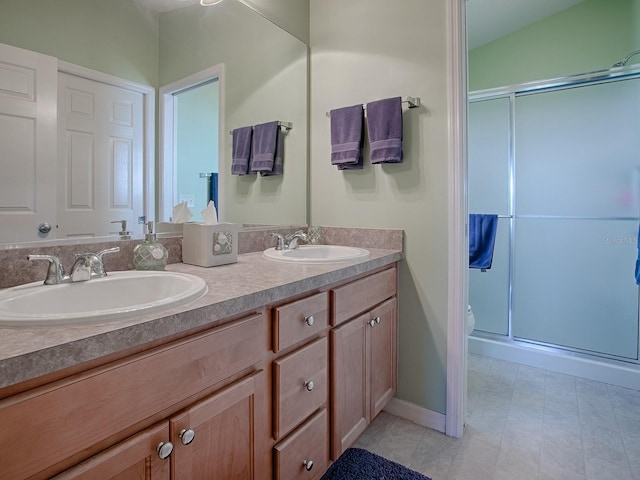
117, 295
317, 254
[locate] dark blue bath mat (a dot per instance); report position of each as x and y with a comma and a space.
358, 464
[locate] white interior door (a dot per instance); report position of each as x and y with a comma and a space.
101, 147
27, 143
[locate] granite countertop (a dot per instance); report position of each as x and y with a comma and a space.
29, 352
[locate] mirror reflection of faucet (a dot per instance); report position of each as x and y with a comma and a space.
85, 267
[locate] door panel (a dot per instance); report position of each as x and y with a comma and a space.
27, 143
132, 459
100, 174
228, 430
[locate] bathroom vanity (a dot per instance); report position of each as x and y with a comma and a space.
271, 375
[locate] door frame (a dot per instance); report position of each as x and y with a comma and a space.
458, 257
149, 117
167, 136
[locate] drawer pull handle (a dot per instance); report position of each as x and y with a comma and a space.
309, 320
309, 386
164, 450
308, 465
187, 436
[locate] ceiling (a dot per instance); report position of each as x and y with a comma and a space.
488, 20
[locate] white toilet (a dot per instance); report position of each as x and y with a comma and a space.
471, 320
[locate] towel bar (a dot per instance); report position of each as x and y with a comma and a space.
412, 102
287, 126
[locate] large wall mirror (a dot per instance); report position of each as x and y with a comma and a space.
262, 77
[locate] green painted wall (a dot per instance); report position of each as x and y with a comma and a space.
113, 36
591, 36
351, 62
635, 19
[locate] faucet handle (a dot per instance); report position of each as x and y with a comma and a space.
281, 241
55, 272
100, 255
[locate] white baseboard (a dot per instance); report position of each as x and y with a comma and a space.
417, 414
599, 369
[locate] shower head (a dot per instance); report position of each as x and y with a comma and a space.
622, 63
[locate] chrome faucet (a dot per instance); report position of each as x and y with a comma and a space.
290, 242
85, 267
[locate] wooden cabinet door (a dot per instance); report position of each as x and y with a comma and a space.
383, 371
132, 459
349, 383
229, 434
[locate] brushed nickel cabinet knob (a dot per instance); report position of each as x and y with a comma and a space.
186, 436
164, 450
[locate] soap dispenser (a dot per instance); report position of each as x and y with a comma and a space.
150, 254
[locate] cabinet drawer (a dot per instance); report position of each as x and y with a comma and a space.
307, 444
296, 321
300, 386
65, 419
358, 296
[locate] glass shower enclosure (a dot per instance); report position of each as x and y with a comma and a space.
560, 165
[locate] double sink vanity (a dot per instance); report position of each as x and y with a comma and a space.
268, 368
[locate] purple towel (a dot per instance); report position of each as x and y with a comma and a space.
263, 152
346, 137
241, 150
384, 122
278, 156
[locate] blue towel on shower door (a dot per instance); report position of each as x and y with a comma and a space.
638, 260
482, 238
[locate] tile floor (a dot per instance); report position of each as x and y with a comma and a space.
523, 423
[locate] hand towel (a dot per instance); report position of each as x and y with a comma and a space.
241, 150
278, 156
347, 137
482, 238
264, 146
384, 123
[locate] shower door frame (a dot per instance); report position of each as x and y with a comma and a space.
511, 93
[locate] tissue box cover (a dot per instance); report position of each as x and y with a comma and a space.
209, 245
